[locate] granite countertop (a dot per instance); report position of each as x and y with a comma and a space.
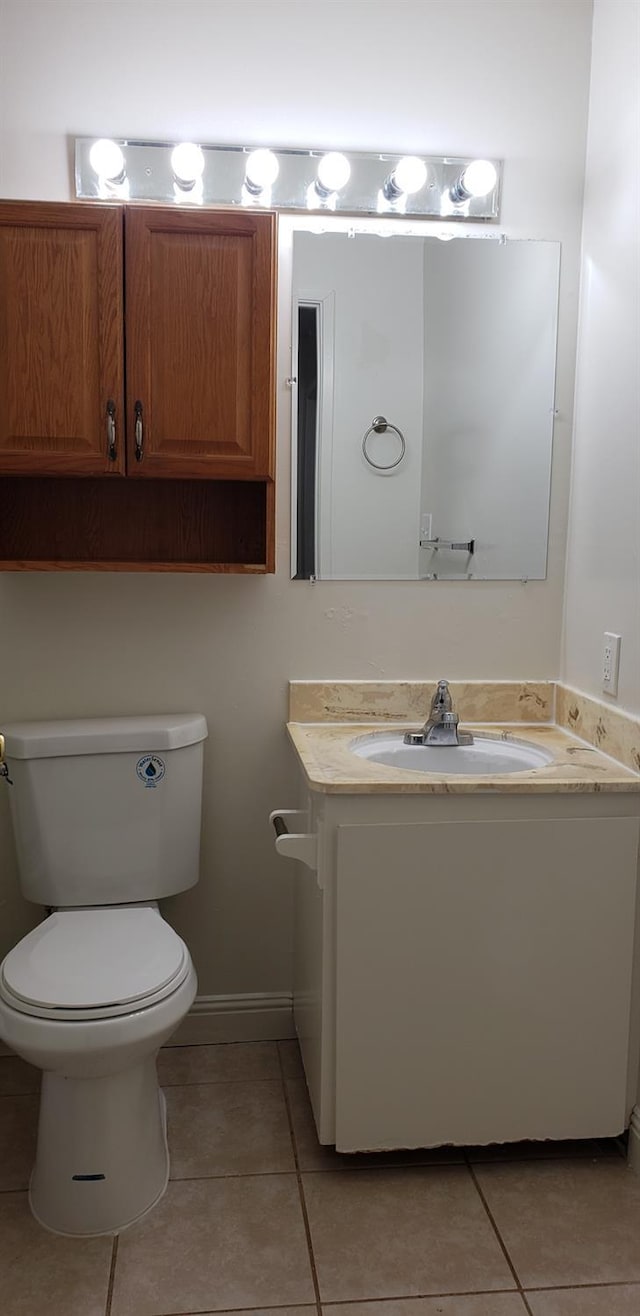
331, 767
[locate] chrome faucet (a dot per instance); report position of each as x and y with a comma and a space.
441, 727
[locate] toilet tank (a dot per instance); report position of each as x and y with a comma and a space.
106, 810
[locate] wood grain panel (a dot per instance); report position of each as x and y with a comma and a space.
200, 289
271, 526
201, 371
157, 525
61, 337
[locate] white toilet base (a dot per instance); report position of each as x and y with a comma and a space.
102, 1158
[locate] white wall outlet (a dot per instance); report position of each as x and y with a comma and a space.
610, 662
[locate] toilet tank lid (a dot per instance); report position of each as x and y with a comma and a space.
103, 735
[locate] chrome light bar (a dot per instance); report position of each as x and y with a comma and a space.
351, 182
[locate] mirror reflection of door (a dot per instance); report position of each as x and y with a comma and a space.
454, 343
307, 418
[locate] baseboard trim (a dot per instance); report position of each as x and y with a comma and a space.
633, 1149
258, 1017
261, 1017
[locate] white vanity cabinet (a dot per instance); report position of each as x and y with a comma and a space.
465, 967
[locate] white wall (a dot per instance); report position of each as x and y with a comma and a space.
503, 78
368, 524
603, 562
490, 354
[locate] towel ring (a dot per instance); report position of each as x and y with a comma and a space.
380, 425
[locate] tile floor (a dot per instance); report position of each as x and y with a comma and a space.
259, 1217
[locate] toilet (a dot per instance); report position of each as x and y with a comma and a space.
106, 815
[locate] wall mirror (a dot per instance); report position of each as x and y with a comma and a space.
423, 406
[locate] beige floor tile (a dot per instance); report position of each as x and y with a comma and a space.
401, 1233
291, 1059
228, 1128
309, 1310
18, 1134
218, 1064
480, 1304
623, 1300
216, 1244
312, 1155
567, 1222
44, 1273
17, 1077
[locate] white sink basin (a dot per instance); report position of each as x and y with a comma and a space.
486, 756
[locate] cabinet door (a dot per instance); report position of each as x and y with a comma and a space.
200, 330
61, 341
484, 981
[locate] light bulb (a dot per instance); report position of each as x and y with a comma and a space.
334, 171
476, 180
409, 176
262, 169
107, 159
479, 178
187, 162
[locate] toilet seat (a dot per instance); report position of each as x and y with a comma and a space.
93, 963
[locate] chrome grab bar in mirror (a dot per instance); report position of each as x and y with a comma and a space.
462, 546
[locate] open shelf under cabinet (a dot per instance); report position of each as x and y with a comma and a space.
115, 524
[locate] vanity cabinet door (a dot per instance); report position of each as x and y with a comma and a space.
484, 981
200, 289
61, 339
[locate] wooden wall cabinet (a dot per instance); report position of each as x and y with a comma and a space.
61, 338
136, 388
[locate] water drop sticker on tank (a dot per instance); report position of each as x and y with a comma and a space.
150, 769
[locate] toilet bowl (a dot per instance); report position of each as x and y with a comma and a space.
89, 997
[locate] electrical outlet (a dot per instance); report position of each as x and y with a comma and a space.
610, 663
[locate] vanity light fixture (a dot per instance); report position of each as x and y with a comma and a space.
477, 180
308, 179
334, 172
107, 160
261, 171
187, 162
408, 177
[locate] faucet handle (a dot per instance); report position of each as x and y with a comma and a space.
442, 701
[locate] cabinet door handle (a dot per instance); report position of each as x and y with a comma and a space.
111, 430
139, 431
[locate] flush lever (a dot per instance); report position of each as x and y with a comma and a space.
4, 771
